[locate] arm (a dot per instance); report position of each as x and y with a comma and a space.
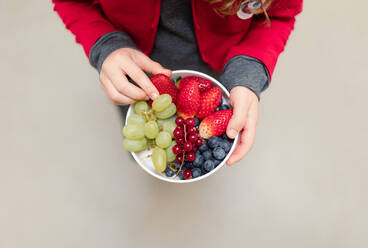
85, 19
263, 43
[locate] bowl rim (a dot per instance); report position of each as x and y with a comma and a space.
171, 180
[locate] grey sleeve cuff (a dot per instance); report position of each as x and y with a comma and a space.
107, 44
245, 71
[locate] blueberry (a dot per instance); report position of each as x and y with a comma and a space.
207, 155
198, 153
217, 162
198, 160
197, 121
209, 165
213, 141
203, 148
196, 172
224, 144
224, 106
169, 173
180, 175
219, 153
176, 165
224, 137
188, 165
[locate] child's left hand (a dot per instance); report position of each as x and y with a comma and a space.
243, 121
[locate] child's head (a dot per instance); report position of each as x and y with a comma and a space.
230, 7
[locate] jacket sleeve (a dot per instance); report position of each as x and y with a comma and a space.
84, 18
264, 42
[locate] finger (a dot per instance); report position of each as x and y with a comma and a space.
126, 88
236, 155
238, 119
246, 139
142, 80
151, 66
245, 145
115, 96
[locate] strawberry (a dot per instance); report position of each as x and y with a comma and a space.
188, 100
203, 84
215, 124
164, 85
210, 100
180, 83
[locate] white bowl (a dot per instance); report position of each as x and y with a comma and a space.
143, 158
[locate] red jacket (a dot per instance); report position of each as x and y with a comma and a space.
218, 38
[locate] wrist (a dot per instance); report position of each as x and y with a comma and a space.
245, 71
244, 91
106, 45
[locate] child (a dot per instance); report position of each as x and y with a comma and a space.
240, 39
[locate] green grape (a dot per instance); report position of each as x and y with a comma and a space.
163, 139
161, 123
151, 129
159, 159
161, 102
140, 107
169, 153
135, 145
169, 127
133, 131
167, 113
136, 119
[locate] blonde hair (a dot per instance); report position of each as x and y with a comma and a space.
230, 7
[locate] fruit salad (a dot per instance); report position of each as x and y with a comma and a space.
184, 127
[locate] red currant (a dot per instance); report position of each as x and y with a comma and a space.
187, 174
187, 146
178, 133
191, 130
190, 156
199, 142
190, 122
179, 121
194, 149
179, 158
177, 149
180, 141
192, 138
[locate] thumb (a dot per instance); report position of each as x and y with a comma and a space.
239, 117
151, 66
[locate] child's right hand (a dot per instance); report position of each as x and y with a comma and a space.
129, 62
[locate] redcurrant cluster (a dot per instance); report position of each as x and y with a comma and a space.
187, 140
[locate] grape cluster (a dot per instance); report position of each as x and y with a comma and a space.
152, 128
187, 142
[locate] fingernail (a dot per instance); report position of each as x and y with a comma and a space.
154, 96
232, 133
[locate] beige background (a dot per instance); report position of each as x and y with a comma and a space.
66, 182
